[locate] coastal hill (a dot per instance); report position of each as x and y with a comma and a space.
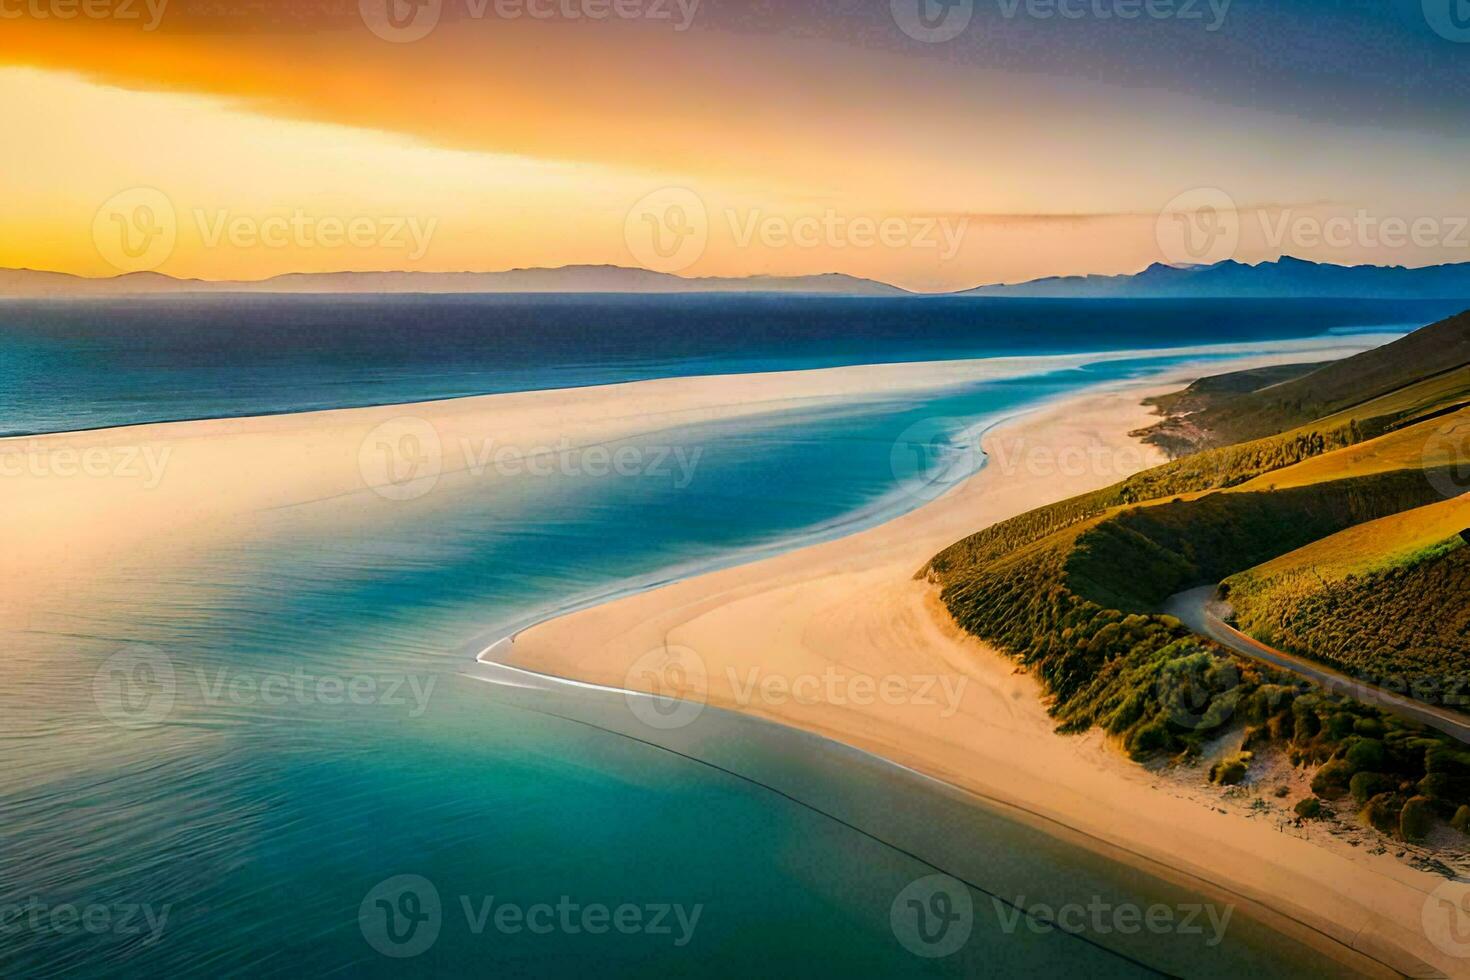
567, 279
1425, 368
1285, 278
1340, 538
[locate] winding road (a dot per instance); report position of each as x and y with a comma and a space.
1199, 610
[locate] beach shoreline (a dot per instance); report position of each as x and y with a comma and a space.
853, 608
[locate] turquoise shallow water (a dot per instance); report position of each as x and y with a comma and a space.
239, 796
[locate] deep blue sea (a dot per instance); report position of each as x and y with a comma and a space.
97, 363
274, 836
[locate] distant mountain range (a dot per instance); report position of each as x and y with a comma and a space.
568, 279
1286, 277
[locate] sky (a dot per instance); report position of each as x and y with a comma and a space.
934, 144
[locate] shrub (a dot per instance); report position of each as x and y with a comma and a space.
1332, 779
1309, 809
1446, 790
1369, 727
1416, 819
1461, 820
1366, 785
1147, 739
1232, 770
1382, 812
1306, 728
1366, 753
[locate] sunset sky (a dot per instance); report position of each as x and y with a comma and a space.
828, 138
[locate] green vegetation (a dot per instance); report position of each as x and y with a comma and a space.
1425, 356
1373, 602
1073, 590
1232, 769
1309, 809
1416, 819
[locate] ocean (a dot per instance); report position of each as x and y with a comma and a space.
259, 827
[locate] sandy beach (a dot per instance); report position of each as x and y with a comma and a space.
807, 638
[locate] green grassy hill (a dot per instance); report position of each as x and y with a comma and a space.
1372, 601
1225, 415
1072, 589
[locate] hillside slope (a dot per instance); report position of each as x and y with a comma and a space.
1372, 601
1442, 349
1073, 590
